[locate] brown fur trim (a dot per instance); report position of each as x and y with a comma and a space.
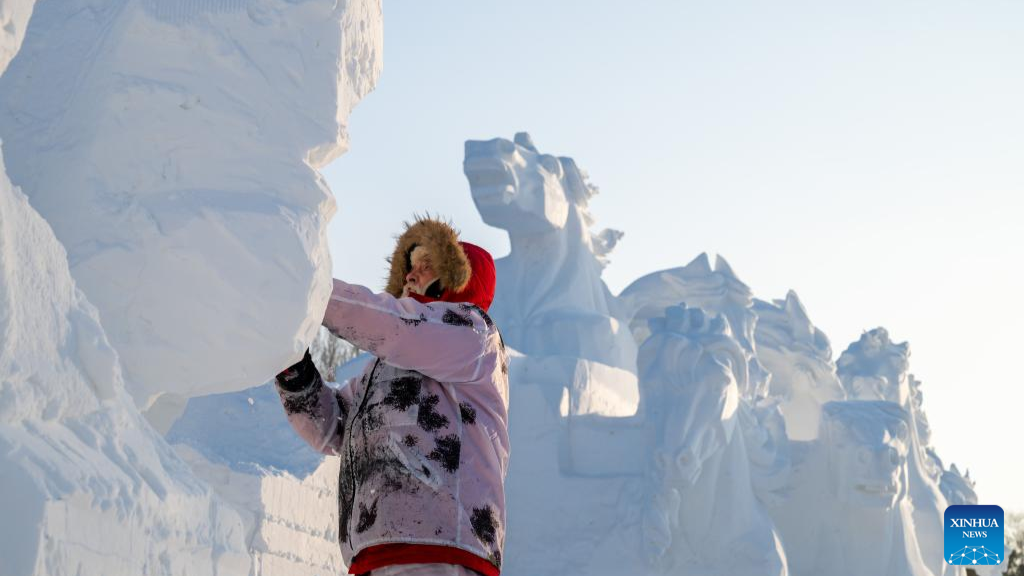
442, 241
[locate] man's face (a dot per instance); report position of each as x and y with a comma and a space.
422, 273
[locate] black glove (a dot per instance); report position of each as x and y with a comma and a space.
299, 375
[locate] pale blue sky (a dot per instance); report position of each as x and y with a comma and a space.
869, 155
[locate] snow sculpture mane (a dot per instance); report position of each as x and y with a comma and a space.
850, 513
188, 137
716, 290
799, 357
550, 297
876, 368
957, 487
701, 514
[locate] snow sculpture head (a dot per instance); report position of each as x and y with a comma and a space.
690, 372
852, 509
701, 511
799, 357
766, 439
188, 196
716, 290
867, 445
875, 368
518, 189
958, 488
550, 298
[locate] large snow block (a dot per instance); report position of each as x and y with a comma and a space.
86, 486
173, 146
292, 522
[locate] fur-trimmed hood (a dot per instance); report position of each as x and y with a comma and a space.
466, 271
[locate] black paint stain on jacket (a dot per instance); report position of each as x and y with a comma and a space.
447, 450
467, 412
367, 517
405, 391
415, 321
372, 419
377, 465
455, 319
428, 418
485, 526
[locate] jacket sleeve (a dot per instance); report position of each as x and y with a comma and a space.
447, 342
318, 412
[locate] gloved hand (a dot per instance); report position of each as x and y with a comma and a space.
298, 375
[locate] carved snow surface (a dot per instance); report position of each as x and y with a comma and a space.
716, 290
876, 368
86, 486
799, 358
550, 299
749, 452
14, 15
849, 513
173, 146
291, 521
701, 514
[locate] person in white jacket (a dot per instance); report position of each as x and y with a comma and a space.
423, 433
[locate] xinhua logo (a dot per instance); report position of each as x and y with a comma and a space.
973, 535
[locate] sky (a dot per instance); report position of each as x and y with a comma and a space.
868, 155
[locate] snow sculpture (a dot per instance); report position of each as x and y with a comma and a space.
957, 488
291, 521
720, 291
551, 303
876, 368
550, 298
768, 448
701, 516
14, 15
173, 147
86, 486
799, 358
716, 290
849, 513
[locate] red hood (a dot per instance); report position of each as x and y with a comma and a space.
480, 289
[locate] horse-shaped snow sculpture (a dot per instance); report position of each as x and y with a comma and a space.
850, 513
701, 514
550, 298
876, 368
799, 357
716, 290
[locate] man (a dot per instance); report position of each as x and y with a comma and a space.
423, 433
